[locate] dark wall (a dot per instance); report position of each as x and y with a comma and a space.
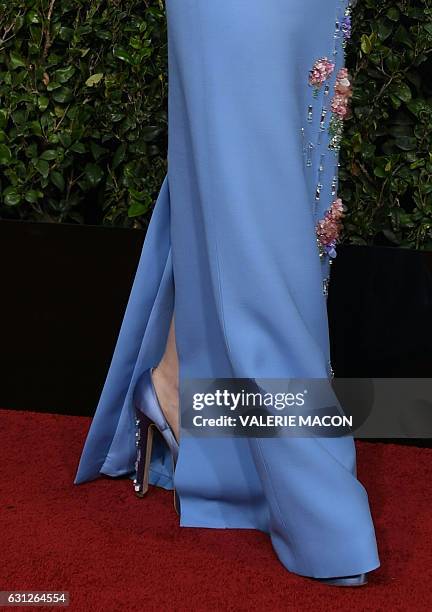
65, 289
64, 292
380, 311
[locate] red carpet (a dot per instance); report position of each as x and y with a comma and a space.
112, 551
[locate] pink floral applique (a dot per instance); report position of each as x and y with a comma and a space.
320, 72
343, 93
329, 228
340, 107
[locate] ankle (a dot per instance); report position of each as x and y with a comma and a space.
166, 378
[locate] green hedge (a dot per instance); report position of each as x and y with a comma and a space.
82, 109
83, 115
386, 161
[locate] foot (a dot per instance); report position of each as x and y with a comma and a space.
345, 581
168, 396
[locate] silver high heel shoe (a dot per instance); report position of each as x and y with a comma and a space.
150, 420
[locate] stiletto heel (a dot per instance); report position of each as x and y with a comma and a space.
149, 418
144, 444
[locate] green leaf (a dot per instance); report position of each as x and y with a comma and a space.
35, 128
33, 17
57, 180
16, 61
384, 29
65, 139
5, 155
3, 118
64, 74
97, 150
403, 92
151, 132
395, 101
366, 44
94, 79
63, 95
32, 196
393, 13
49, 155
94, 174
11, 196
138, 195
402, 36
66, 33
380, 172
52, 85
119, 155
78, 147
136, 209
417, 164
42, 167
104, 35
43, 102
121, 54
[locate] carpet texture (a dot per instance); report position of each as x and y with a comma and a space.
112, 551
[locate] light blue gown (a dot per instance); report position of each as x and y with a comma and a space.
232, 250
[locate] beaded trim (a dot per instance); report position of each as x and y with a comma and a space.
328, 108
